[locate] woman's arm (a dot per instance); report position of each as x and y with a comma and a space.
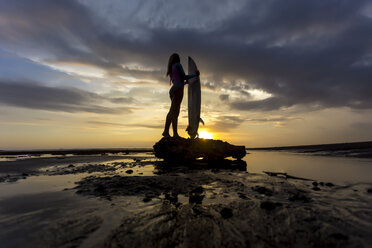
182, 73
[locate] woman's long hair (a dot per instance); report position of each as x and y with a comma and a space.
174, 58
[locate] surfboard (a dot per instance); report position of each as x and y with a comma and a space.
194, 100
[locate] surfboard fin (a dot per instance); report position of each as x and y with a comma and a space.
201, 120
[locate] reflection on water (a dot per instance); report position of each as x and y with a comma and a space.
5, 158
331, 169
321, 168
189, 166
39, 184
22, 157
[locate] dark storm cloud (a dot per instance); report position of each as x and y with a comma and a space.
35, 96
224, 97
314, 53
271, 103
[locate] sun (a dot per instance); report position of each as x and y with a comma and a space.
205, 135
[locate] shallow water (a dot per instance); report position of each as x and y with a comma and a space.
339, 170
321, 168
124, 199
21, 157
39, 184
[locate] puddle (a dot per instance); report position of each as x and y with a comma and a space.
23, 157
39, 184
334, 169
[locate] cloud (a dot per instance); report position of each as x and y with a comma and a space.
272, 119
226, 123
362, 126
268, 104
120, 100
224, 97
141, 125
277, 121
301, 52
36, 96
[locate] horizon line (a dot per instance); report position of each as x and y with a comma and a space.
345, 145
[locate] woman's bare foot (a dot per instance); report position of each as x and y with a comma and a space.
165, 134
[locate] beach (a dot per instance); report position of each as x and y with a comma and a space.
185, 124
130, 198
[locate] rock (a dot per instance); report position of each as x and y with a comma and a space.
315, 184
129, 171
285, 175
181, 148
310, 219
242, 195
171, 197
270, 205
369, 190
226, 213
329, 184
196, 198
299, 197
196, 195
12, 179
198, 190
263, 190
100, 189
316, 188
70, 166
339, 236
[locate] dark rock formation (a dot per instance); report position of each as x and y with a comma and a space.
263, 190
300, 197
226, 213
268, 205
180, 148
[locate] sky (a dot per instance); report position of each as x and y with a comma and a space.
89, 73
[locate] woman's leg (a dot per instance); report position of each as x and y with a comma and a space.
168, 121
173, 112
177, 105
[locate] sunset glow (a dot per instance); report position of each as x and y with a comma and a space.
205, 135
102, 83
173, 123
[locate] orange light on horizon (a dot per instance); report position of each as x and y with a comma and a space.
205, 135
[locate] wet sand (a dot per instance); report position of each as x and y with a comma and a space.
136, 200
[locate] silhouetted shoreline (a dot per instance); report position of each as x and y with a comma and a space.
333, 146
352, 149
94, 151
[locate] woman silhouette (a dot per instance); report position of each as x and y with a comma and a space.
177, 77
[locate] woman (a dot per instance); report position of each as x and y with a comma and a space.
177, 77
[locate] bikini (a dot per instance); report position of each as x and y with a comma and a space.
178, 78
